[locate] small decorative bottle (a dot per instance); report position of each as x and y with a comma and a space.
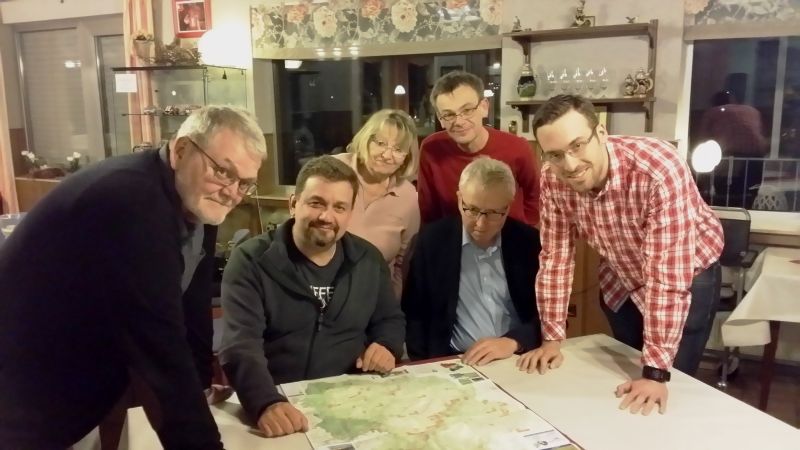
512, 127
526, 86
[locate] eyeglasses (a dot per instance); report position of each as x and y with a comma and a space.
225, 176
450, 116
557, 157
475, 213
397, 152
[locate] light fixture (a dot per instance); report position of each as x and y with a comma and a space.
70, 64
399, 90
706, 156
488, 93
496, 65
292, 64
225, 45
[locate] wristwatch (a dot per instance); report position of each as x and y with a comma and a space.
655, 374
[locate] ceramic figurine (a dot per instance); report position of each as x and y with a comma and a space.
629, 86
517, 25
580, 18
644, 82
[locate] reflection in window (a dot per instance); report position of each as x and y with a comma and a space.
322, 104
736, 100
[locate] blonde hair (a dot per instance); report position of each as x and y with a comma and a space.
487, 172
407, 132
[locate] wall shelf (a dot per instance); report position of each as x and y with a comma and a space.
529, 107
649, 30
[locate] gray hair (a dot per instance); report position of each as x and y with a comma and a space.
201, 125
488, 172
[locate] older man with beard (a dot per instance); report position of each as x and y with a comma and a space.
107, 280
307, 300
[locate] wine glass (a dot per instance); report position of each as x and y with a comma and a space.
564, 81
551, 81
591, 83
577, 81
602, 80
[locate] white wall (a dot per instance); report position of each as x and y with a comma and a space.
621, 55
21, 11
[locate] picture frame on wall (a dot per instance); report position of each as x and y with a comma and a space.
191, 18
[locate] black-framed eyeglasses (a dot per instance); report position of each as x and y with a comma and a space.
557, 157
225, 176
450, 116
475, 213
397, 152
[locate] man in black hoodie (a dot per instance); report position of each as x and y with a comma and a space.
308, 300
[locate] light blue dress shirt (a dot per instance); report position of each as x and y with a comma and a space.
484, 303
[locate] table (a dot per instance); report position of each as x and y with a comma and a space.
775, 228
577, 399
771, 299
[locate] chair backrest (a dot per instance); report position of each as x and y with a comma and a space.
770, 198
736, 228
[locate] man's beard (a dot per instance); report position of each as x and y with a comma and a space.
319, 241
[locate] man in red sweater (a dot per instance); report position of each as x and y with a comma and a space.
458, 100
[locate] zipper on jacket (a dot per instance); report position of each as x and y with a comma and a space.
317, 328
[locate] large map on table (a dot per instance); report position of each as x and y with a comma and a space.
442, 405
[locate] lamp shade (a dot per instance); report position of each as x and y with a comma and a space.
706, 156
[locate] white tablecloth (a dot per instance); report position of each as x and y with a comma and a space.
579, 400
774, 295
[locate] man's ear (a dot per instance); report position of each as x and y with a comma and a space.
602, 133
292, 204
178, 150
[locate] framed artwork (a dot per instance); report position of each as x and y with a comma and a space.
191, 18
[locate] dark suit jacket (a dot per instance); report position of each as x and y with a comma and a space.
430, 295
90, 286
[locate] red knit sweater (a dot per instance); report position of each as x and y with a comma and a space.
441, 163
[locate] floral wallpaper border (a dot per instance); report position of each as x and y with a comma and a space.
347, 23
712, 12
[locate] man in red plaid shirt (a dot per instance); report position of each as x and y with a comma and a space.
634, 201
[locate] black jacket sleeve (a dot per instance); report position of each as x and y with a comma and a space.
197, 310
527, 335
244, 322
387, 324
414, 303
139, 242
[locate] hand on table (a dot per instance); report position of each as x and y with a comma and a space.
548, 356
280, 419
217, 393
486, 350
376, 358
643, 395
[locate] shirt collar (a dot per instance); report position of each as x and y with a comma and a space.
466, 239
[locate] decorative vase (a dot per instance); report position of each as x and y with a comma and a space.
526, 86
143, 49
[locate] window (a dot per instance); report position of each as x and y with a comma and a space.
746, 96
322, 104
51, 67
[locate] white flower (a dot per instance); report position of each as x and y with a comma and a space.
325, 21
492, 11
404, 16
70, 158
692, 7
76, 155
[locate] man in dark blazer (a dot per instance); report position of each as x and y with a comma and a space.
101, 284
470, 287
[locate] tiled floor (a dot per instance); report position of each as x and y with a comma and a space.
784, 399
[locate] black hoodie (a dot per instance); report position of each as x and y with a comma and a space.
274, 331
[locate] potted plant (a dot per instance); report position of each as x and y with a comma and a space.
143, 45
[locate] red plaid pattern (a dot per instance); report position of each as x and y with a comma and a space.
652, 229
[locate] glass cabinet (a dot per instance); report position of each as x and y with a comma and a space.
172, 93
